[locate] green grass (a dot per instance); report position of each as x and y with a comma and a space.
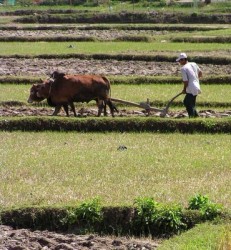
6, 19
140, 6
215, 33
210, 93
64, 168
37, 48
134, 93
218, 32
204, 237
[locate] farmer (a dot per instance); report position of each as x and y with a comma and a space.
190, 75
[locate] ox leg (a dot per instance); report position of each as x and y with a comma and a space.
57, 109
112, 107
100, 104
65, 106
104, 108
73, 108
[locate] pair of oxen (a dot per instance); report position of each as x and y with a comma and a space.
62, 90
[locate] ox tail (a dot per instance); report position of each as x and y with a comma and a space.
109, 102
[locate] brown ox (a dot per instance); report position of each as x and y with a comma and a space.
63, 90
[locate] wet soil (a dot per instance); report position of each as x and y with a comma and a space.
103, 35
44, 67
24, 239
25, 111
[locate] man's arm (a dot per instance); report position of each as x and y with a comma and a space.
185, 86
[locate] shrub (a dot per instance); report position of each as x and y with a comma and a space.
86, 214
198, 201
163, 220
211, 210
146, 209
169, 220
208, 209
90, 211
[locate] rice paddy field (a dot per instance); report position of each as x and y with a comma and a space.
67, 168
137, 93
61, 168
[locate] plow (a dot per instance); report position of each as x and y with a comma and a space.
146, 105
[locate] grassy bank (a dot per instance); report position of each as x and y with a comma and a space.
205, 236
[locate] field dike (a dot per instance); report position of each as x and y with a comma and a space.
126, 57
110, 27
127, 17
195, 39
159, 125
164, 221
129, 80
128, 38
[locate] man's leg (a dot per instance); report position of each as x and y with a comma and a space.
195, 114
189, 103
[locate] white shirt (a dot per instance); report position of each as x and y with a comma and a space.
190, 73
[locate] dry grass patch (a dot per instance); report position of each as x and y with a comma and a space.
65, 168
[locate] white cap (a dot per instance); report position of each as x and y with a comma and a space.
182, 56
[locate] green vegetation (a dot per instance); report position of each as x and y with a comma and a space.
204, 236
224, 242
168, 219
38, 48
6, 19
146, 208
208, 209
88, 212
118, 6
61, 168
90, 217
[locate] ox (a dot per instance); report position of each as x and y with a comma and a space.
63, 90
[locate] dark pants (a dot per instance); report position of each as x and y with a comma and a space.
190, 104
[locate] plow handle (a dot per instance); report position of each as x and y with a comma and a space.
146, 106
165, 111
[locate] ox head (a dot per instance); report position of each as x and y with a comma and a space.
34, 97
